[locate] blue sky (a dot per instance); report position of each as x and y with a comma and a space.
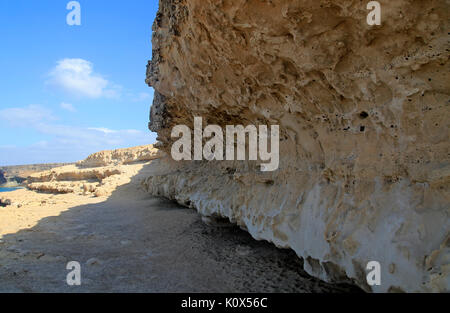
68, 91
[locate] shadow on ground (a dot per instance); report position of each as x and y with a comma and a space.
134, 242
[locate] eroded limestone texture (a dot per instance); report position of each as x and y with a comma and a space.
363, 113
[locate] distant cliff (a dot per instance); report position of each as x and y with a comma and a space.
98, 174
2, 178
12, 176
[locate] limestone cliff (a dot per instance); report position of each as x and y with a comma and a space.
99, 174
121, 156
363, 114
16, 175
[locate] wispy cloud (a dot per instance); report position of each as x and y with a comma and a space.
62, 142
6, 147
77, 77
103, 130
143, 96
40, 144
68, 107
29, 115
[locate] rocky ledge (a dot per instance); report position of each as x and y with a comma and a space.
364, 163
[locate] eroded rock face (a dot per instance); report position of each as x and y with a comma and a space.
2, 178
121, 156
363, 113
16, 175
99, 174
71, 179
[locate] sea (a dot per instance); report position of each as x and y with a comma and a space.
7, 189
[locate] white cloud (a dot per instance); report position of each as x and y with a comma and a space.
133, 131
7, 147
77, 77
68, 107
26, 116
141, 97
40, 144
62, 143
103, 130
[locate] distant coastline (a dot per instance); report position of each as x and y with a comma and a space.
15, 176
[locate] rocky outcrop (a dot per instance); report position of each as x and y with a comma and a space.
16, 175
364, 164
10, 181
4, 202
67, 186
121, 156
2, 178
98, 174
71, 179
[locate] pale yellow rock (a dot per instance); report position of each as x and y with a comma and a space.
52, 192
363, 114
121, 156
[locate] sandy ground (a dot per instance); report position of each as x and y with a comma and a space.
132, 242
